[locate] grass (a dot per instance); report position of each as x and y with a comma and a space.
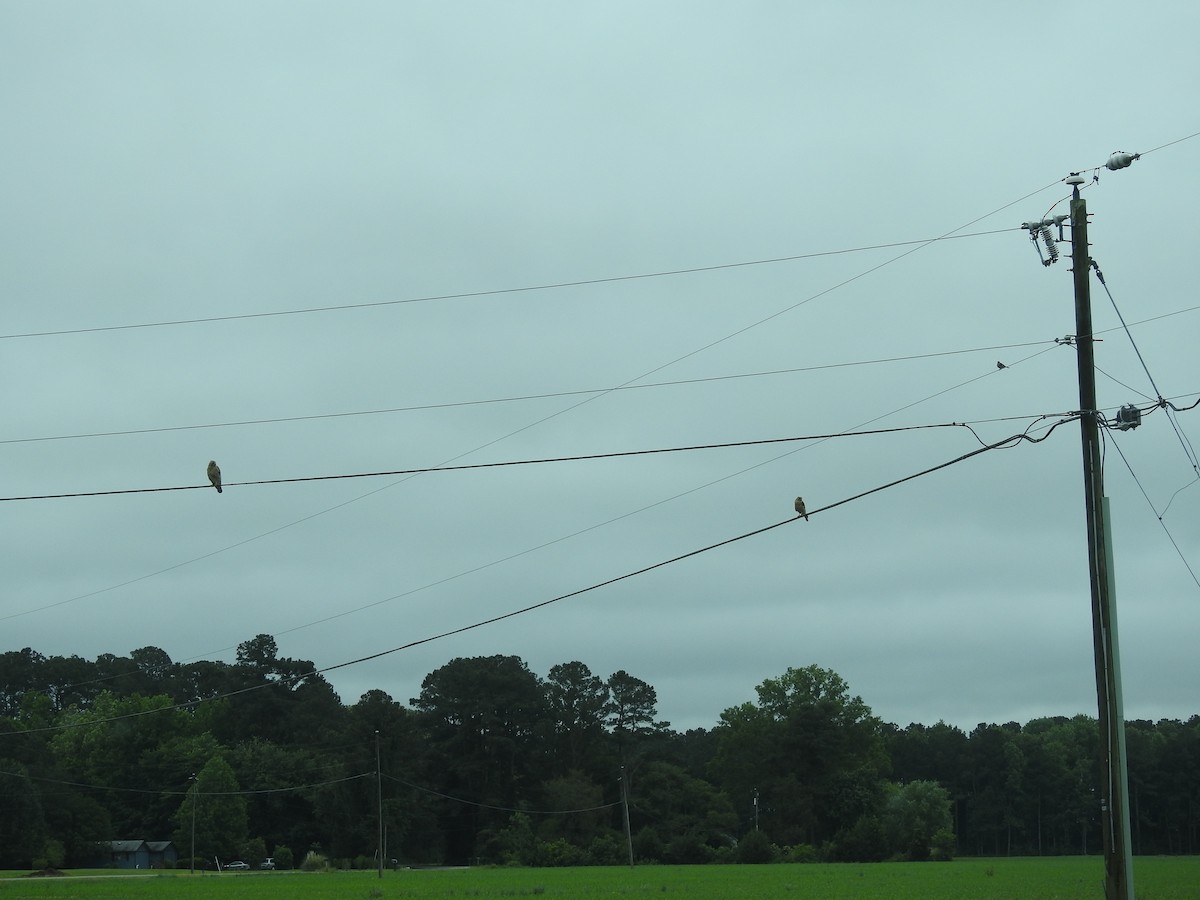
1063, 878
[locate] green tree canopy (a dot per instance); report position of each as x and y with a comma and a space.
217, 810
578, 703
913, 814
812, 750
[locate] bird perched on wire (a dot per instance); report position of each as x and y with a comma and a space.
214, 474
1000, 365
800, 508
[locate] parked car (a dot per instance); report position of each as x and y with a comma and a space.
268, 863
237, 864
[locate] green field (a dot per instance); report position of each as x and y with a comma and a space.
1155, 878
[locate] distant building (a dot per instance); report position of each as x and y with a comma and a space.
162, 854
139, 854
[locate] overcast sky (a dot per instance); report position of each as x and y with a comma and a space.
424, 163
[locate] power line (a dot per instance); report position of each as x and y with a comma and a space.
189, 792
489, 465
1171, 143
1129, 334
551, 395
1188, 450
424, 407
180, 565
1157, 514
338, 506
503, 437
652, 505
479, 568
951, 235
526, 397
533, 424
1008, 442
1116, 380
558, 285
1104, 165
532, 812
527, 551
618, 518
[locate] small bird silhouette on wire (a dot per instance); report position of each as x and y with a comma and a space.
800, 508
214, 474
1000, 365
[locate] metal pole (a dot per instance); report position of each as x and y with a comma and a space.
1114, 816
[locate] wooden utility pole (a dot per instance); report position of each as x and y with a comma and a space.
625, 810
379, 800
1114, 779
194, 801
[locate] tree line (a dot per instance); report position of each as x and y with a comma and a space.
493, 763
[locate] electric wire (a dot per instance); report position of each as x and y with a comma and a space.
1171, 143
526, 397
194, 791
189, 791
532, 812
1157, 514
498, 561
373, 492
1127, 387
1188, 450
528, 550
857, 427
1005, 443
337, 506
423, 407
921, 245
575, 283
535, 423
487, 465
865, 493
1095, 170
466, 295
1178, 491
593, 527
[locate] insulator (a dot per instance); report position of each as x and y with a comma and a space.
1120, 160
1051, 247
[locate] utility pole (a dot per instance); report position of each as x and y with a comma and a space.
1114, 781
625, 809
195, 797
379, 800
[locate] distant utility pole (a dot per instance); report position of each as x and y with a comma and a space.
194, 801
379, 800
1114, 781
625, 809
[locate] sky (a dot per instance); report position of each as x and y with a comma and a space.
313, 239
